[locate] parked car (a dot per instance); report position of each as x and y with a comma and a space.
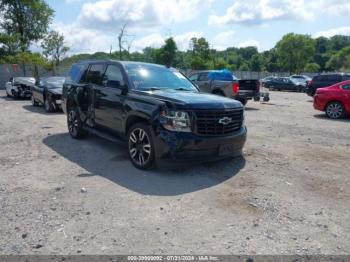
285, 84
267, 79
161, 115
301, 78
325, 80
48, 92
19, 87
334, 100
223, 83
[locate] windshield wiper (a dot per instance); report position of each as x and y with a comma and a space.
182, 89
152, 89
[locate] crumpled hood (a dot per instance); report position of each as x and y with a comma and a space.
193, 100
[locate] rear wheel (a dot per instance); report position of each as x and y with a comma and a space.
218, 93
74, 123
141, 148
335, 110
243, 101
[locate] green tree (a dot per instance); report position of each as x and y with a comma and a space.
53, 47
34, 60
167, 53
339, 42
9, 44
200, 56
294, 51
340, 60
312, 68
27, 18
256, 62
220, 63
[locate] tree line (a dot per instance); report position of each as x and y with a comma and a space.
25, 22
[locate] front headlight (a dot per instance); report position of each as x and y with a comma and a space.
176, 121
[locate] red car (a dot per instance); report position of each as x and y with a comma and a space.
334, 100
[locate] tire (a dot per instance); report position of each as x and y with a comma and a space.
15, 95
218, 93
243, 101
34, 102
48, 105
141, 147
335, 110
74, 123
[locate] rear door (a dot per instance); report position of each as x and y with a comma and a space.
96, 91
112, 97
204, 82
329, 80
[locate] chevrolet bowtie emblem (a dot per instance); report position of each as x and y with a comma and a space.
225, 120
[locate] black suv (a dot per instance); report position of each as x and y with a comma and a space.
157, 111
325, 80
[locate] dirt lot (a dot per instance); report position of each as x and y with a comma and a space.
289, 194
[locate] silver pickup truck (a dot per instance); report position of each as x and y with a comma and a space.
222, 82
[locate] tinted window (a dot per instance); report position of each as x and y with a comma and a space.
334, 78
346, 86
346, 77
194, 77
95, 74
203, 77
113, 77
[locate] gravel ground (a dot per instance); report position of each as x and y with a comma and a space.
289, 194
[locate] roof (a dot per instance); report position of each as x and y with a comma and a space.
124, 63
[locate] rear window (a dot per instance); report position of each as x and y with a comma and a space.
334, 78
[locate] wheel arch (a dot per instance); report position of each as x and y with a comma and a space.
134, 119
333, 101
218, 92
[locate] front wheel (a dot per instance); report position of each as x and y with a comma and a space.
335, 110
140, 145
49, 107
74, 123
34, 102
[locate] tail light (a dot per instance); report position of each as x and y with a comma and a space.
235, 87
309, 83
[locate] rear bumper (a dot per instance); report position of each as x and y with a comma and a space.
246, 95
184, 149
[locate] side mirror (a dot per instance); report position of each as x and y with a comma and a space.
116, 85
113, 84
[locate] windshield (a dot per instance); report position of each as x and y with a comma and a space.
150, 77
55, 81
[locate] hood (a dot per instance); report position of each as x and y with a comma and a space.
56, 90
193, 100
29, 81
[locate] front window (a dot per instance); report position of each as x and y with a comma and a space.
152, 77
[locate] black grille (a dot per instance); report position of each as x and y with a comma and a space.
208, 121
